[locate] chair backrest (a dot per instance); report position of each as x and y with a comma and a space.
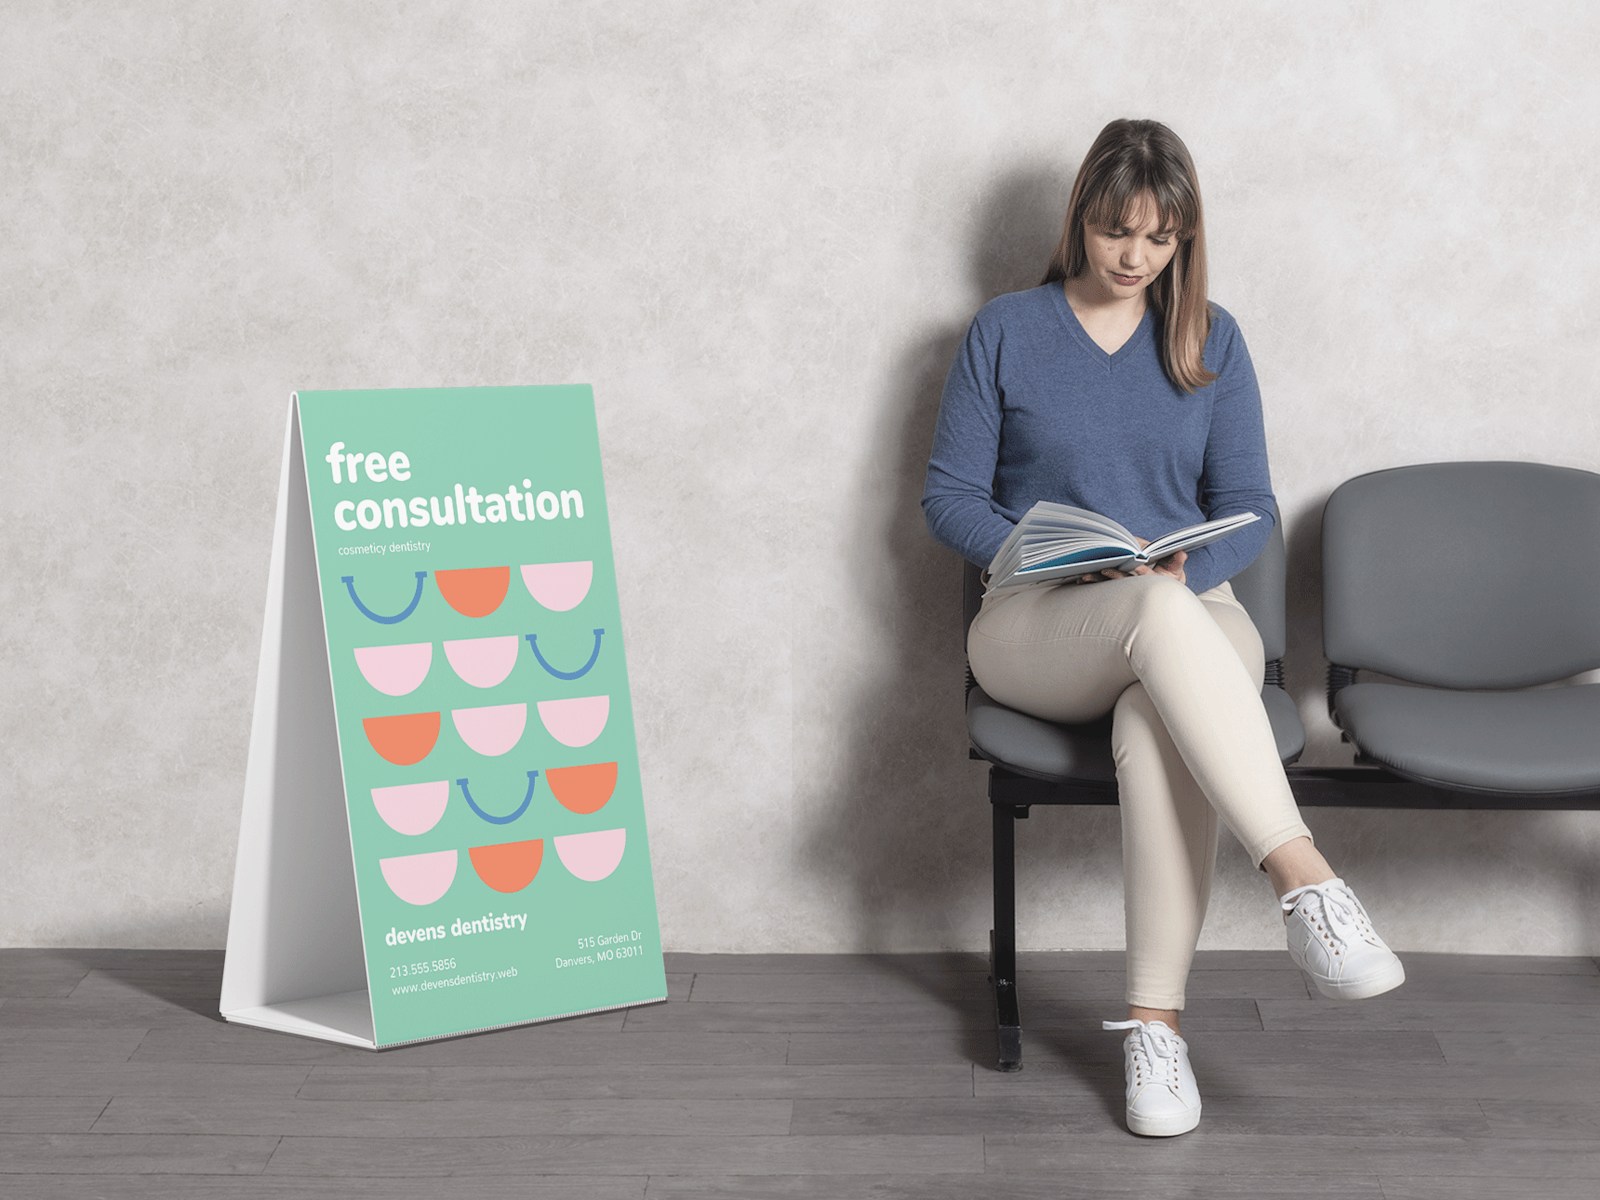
1259, 587
1464, 574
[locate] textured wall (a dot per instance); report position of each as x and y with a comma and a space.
758, 230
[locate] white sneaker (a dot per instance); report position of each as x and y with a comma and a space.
1163, 1097
1332, 940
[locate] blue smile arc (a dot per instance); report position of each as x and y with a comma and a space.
581, 671
349, 582
493, 820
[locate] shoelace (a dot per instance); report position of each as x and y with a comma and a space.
1344, 913
1157, 1047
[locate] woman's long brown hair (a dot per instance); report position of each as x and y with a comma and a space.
1129, 158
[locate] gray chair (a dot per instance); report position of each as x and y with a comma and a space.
1466, 579
1042, 762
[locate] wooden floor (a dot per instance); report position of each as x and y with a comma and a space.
835, 1076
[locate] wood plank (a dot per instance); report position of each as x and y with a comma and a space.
975, 990
569, 1040
1336, 1049
680, 1080
123, 1012
307, 1187
37, 975
1542, 1118
1311, 1078
1543, 1043
50, 1114
136, 1154
931, 1015
776, 1017
907, 1049
200, 992
1351, 1050
1474, 1187
1064, 1034
148, 1079
1085, 1185
1459, 983
1089, 1115
477, 1117
68, 1045
1242, 1156
836, 987
1433, 965
1394, 1010
534, 1154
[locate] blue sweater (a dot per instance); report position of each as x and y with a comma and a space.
1033, 409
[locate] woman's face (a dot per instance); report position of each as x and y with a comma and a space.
1124, 259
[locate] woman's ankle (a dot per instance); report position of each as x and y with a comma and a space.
1296, 863
1169, 1016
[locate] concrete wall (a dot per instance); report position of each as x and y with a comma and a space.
758, 230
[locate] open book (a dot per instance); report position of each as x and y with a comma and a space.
1057, 543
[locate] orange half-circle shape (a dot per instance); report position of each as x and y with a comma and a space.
585, 788
509, 866
404, 739
474, 591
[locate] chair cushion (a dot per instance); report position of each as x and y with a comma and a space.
1286, 724
1047, 750
1535, 741
1043, 749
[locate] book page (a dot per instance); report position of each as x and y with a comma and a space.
1198, 535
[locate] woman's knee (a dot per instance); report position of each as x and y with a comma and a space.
1162, 600
1245, 639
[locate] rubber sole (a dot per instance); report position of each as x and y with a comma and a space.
1391, 977
1165, 1126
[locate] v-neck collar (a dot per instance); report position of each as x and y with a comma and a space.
1095, 349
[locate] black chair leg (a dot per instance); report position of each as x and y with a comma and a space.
1003, 937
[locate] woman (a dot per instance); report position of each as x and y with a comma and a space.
1115, 386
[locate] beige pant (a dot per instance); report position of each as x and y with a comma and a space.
1182, 675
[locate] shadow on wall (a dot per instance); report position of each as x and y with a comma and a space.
901, 827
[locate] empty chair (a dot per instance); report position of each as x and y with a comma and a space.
1467, 580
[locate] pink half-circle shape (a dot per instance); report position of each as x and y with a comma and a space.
412, 808
395, 670
559, 586
576, 721
493, 730
591, 856
483, 662
420, 878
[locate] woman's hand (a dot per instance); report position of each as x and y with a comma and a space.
1171, 565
